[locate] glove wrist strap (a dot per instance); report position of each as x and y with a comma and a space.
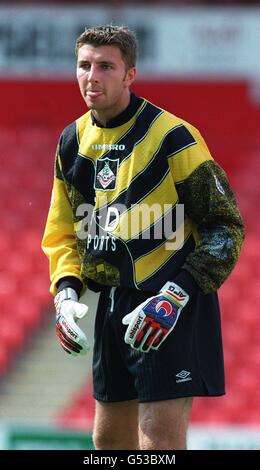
179, 294
66, 294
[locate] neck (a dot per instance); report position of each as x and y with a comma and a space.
103, 116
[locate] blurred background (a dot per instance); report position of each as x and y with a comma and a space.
201, 61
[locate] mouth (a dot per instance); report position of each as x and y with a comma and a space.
93, 93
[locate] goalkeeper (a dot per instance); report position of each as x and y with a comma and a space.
157, 330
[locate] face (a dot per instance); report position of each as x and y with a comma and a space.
103, 80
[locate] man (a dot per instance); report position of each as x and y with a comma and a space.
157, 331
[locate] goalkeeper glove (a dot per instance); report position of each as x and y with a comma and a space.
68, 311
152, 321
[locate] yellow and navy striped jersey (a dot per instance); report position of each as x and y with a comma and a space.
114, 210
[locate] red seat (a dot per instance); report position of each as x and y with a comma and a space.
24, 283
4, 359
20, 263
8, 284
80, 413
12, 334
27, 312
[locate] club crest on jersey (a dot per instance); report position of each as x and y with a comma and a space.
106, 173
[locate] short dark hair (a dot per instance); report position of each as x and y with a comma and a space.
108, 35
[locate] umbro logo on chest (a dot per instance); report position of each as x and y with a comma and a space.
106, 174
108, 147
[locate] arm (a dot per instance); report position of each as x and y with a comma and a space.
59, 242
209, 202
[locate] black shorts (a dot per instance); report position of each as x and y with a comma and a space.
188, 363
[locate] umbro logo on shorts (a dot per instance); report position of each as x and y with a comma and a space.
183, 376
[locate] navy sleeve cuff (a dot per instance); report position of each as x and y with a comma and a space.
70, 281
187, 282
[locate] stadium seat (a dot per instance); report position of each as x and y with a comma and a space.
4, 359
12, 334
80, 413
28, 312
24, 272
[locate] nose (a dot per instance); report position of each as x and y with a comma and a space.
93, 73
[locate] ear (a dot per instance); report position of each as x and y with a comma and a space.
130, 76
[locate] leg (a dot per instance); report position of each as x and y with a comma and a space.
163, 424
116, 425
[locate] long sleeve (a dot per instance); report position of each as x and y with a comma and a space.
59, 242
210, 203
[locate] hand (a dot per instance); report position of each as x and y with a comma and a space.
151, 322
68, 311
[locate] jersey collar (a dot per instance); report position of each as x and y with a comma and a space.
125, 116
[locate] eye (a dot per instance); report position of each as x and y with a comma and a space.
84, 66
107, 66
